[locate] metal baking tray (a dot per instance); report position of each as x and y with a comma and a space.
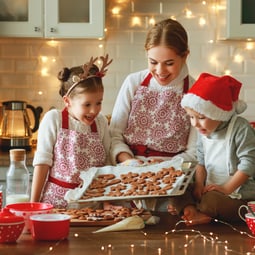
179, 186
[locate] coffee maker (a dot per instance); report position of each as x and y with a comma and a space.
16, 130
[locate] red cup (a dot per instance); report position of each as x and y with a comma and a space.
252, 124
250, 221
251, 204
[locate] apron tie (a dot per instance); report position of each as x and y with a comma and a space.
143, 150
63, 184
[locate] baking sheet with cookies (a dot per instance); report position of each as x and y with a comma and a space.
142, 176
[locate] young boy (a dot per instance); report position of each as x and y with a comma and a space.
224, 177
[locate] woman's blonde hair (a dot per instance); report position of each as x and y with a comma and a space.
169, 33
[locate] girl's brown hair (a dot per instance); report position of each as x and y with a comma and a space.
91, 84
169, 33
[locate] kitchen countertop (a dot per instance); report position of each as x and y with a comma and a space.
214, 238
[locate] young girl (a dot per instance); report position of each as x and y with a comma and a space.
224, 177
147, 119
74, 139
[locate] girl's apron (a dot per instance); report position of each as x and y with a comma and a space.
216, 153
73, 152
157, 125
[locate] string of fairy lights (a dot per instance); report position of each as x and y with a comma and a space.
191, 237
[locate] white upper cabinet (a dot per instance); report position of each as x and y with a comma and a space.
22, 18
52, 18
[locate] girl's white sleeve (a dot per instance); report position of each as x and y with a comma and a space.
105, 136
46, 139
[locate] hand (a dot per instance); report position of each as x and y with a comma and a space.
132, 162
219, 188
154, 161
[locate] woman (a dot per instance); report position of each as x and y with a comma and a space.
148, 122
147, 119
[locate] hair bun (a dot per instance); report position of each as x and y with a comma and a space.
64, 74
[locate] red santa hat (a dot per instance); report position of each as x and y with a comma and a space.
215, 97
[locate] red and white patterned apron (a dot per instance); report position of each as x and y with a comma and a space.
157, 125
73, 152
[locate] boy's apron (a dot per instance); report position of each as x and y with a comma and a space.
157, 125
73, 152
216, 153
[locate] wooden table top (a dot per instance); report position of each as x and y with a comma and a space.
214, 238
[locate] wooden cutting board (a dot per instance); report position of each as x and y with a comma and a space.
95, 223
89, 217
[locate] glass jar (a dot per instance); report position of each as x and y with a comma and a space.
17, 179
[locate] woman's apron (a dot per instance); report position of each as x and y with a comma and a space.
73, 152
216, 153
157, 125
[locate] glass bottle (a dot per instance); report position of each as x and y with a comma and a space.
17, 179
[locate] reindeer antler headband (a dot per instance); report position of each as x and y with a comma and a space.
86, 67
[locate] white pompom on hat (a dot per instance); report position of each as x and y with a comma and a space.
215, 97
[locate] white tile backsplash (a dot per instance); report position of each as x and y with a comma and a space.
21, 63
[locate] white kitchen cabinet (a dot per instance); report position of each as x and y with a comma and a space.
52, 18
236, 20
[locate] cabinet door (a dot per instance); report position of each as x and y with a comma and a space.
74, 19
21, 18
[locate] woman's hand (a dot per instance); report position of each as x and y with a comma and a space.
132, 162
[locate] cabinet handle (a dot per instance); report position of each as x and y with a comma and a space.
53, 30
37, 29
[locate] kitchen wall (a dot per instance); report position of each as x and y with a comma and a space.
24, 62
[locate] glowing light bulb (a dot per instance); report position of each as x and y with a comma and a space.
136, 21
152, 21
116, 11
52, 43
227, 72
44, 71
202, 21
249, 45
188, 13
238, 58
44, 59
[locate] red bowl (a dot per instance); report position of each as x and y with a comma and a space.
11, 226
50, 227
28, 209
